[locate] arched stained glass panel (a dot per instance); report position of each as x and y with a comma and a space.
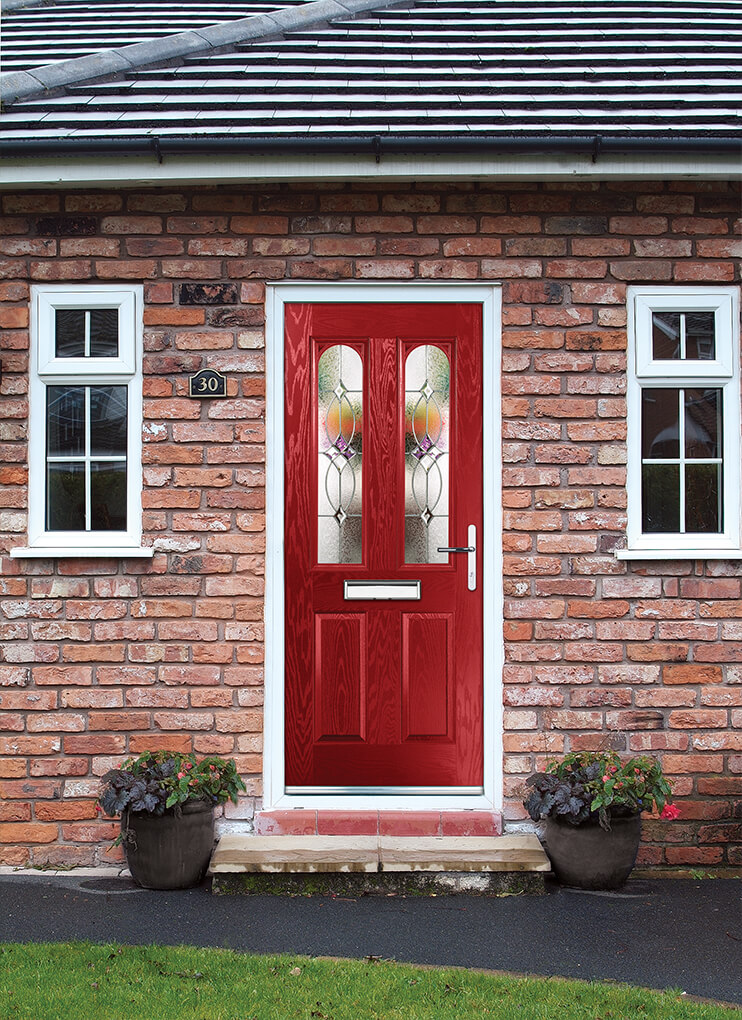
340, 455
427, 419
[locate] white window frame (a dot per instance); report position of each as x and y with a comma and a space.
721, 373
45, 370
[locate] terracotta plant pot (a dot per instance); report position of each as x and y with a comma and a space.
589, 857
169, 851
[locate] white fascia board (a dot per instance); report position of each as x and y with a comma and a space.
145, 171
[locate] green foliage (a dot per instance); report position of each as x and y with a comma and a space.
588, 785
158, 780
88, 982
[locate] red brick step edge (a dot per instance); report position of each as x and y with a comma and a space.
304, 822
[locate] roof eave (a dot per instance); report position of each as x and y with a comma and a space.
366, 160
377, 145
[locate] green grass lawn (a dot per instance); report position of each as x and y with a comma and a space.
92, 982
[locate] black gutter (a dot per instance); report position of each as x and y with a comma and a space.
375, 145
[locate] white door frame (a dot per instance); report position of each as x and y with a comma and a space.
489, 297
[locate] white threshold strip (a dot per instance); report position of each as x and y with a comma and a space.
381, 791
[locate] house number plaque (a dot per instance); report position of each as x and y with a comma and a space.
207, 383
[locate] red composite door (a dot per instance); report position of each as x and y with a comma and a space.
383, 476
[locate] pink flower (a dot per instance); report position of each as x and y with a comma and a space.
670, 812
181, 775
188, 766
606, 778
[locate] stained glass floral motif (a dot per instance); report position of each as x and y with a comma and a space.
340, 470
427, 413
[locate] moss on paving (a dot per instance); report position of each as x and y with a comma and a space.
359, 883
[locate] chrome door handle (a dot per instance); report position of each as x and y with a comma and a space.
471, 551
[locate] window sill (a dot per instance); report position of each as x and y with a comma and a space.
678, 554
117, 552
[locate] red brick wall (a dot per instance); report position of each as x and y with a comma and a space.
104, 658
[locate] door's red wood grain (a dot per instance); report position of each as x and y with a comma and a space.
382, 693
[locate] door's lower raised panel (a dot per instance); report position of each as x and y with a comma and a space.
340, 678
427, 672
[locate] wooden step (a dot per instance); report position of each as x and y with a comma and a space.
242, 854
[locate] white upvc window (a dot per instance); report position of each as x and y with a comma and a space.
683, 406
85, 455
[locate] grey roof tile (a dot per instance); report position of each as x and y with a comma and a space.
441, 68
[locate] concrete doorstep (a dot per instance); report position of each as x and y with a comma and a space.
378, 864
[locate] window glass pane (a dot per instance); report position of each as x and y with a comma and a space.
427, 413
104, 333
108, 420
65, 420
702, 423
660, 427
665, 335
700, 344
660, 498
108, 496
703, 511
65, 496
69, 333
81, 333
340, 461
687, 336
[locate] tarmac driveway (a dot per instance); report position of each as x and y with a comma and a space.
661, 933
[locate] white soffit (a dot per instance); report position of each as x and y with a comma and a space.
146, 171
